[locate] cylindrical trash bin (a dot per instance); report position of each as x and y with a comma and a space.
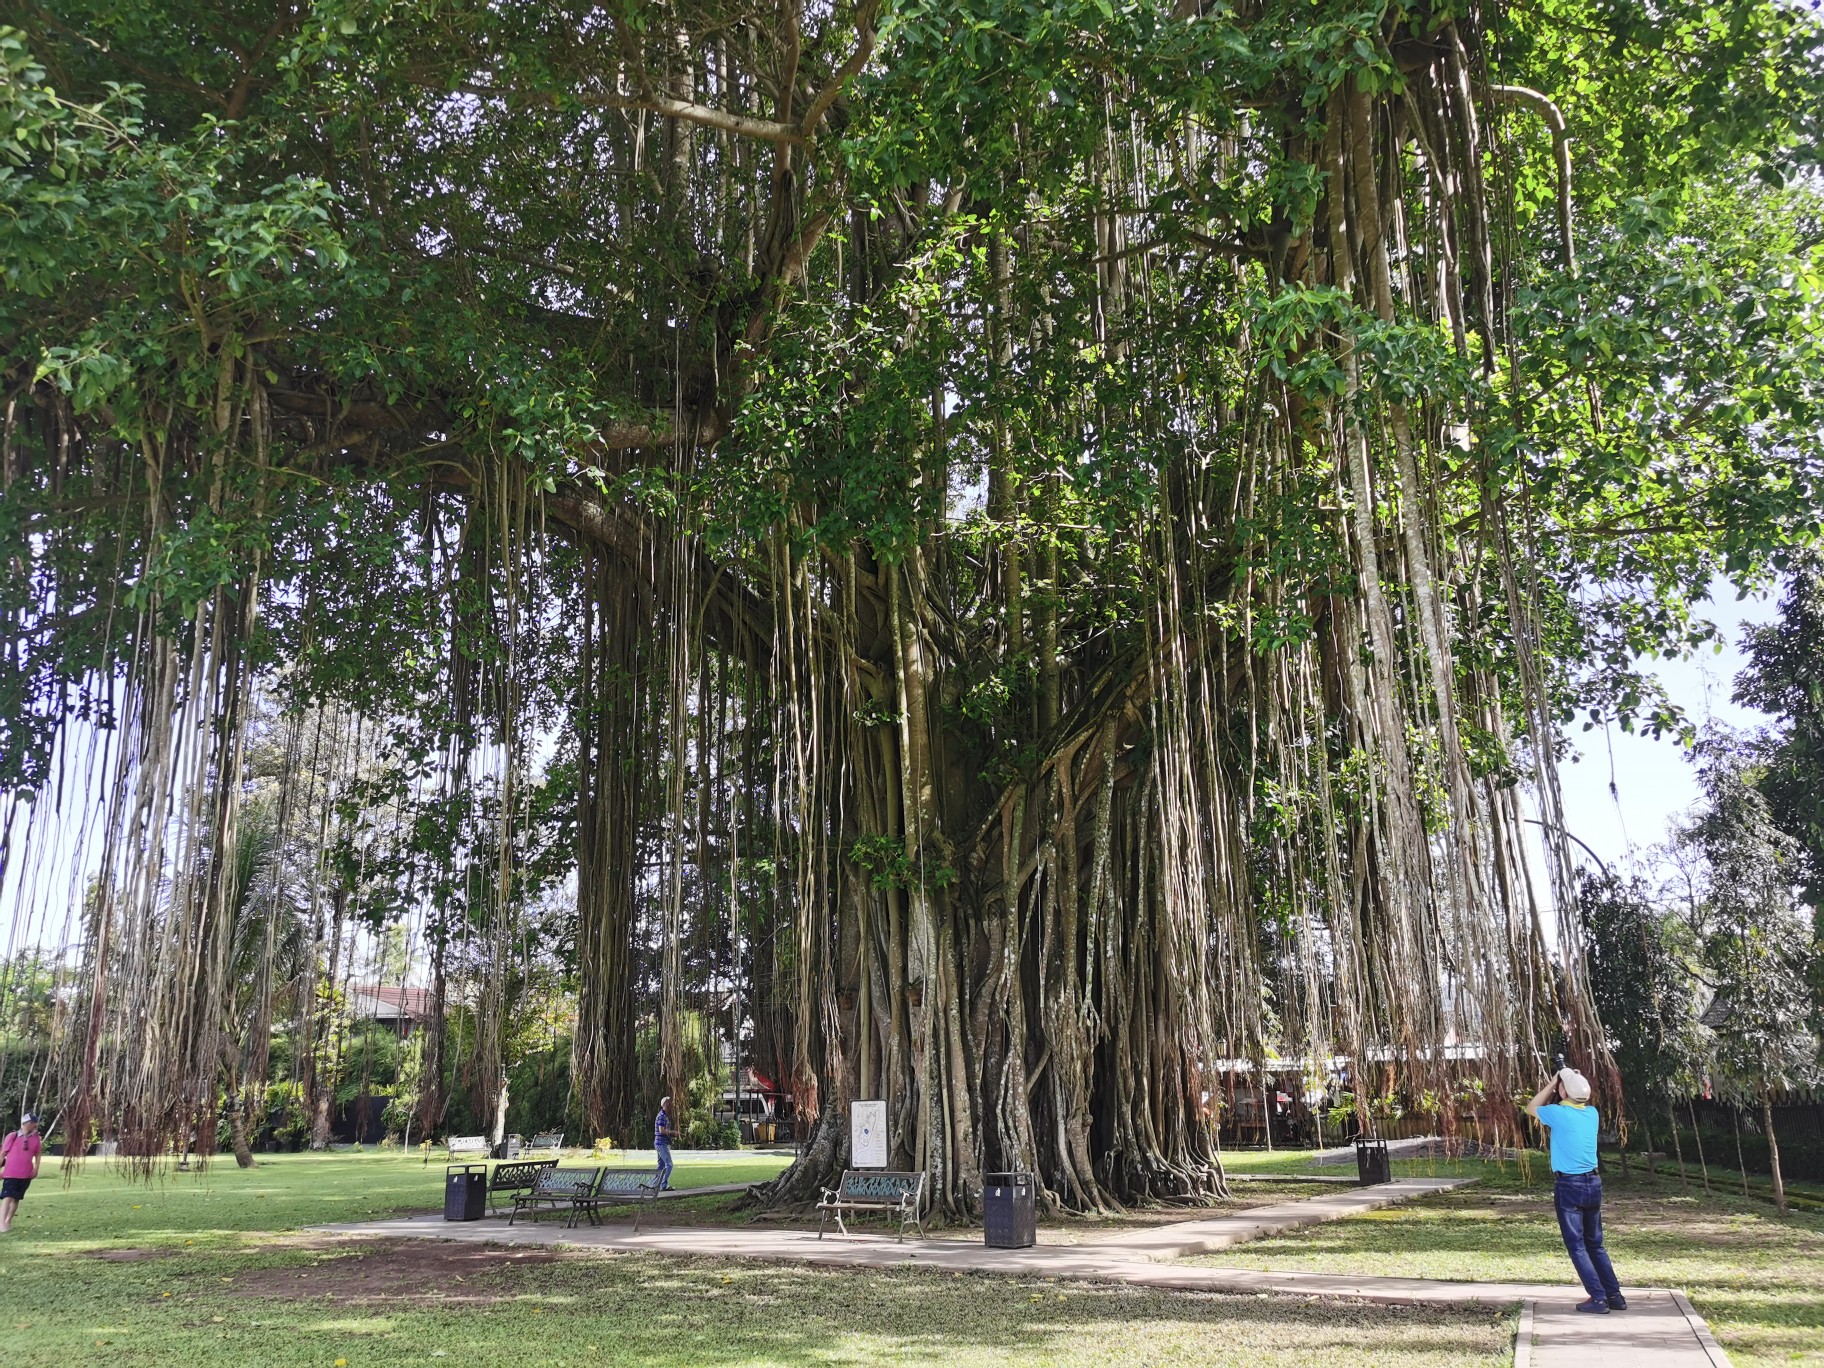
465, 1192
1371, 1162
1009, 1213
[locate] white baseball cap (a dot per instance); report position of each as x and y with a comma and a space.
1575, 1085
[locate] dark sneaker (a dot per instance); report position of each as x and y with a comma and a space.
1618, 1303
1594, 1307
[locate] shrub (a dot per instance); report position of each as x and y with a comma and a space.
705, 1132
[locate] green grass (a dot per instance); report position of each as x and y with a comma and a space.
1756, 1277
282, 1192
642, 1310
200, 1272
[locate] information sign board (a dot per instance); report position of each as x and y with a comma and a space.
868, 1134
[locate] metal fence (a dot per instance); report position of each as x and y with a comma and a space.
1798, 1126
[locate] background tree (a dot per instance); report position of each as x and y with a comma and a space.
1644, 991
1784, 676
34, 991
1756, 947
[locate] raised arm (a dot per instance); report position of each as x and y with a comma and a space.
1543, 1096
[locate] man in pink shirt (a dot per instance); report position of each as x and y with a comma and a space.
20, 1154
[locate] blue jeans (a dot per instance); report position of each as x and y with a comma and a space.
1579, 1202
664, 1149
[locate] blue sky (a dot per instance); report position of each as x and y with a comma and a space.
1653, 780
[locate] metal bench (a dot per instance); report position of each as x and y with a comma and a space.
462, 1147
550, 1142
560, 1189
625, 1187
515, 1177
875, 1190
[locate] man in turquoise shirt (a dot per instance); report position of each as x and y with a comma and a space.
1563, 1106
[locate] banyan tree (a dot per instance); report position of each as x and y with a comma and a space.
1050, 546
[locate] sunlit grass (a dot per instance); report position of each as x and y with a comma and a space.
646, 1310
282, 1192
200, 1271
1756, 1277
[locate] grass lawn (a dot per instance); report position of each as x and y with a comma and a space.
1756, 1277
209, 1271
282, 1192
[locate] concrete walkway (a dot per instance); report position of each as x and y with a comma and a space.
1421, 1147
710, 1190
1415, 1147
1167, 1242
1659, 1330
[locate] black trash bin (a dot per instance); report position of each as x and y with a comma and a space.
1009, 1215
1371, 1162
465, 1192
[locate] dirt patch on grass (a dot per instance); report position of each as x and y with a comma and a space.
395, 1271
129, 1255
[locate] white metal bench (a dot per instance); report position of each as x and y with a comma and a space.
462, 1147
885, 1190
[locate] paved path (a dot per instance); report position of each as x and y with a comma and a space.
1167, 1242
709, 1190
1420, 1147
1659, 1330
1656, 1331
1345, 1154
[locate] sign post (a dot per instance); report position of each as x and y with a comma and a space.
868, 1134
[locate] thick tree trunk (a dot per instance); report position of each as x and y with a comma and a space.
237, 1123
320, 1118
238, 1128
500, 1114
609, 718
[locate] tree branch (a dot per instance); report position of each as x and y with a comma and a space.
695, 429
742, 124
1561, 149
864, 48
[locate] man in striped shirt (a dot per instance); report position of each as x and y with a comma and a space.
662, 1134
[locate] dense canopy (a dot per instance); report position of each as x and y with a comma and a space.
1027, 556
